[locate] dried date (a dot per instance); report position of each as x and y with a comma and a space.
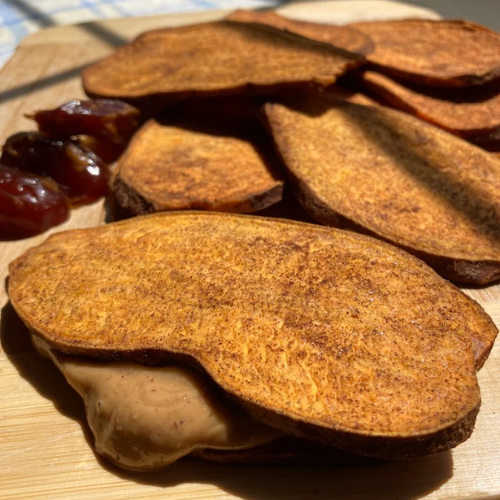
104, 149
29, 204
111, 120
81, 175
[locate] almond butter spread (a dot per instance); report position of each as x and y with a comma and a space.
147, 417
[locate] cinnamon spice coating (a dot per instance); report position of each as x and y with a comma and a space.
322, 333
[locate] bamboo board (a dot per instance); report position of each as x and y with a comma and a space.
45, 446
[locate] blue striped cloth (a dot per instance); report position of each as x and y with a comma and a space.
19, 18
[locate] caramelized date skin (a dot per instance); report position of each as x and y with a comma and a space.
111, 120
81, 175
104, 149
29, 204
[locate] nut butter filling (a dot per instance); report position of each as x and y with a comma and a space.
148, 417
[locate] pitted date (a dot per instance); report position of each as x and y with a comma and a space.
29, 204
111, 120
81, 175
104, 149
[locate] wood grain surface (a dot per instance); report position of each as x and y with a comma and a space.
45, 445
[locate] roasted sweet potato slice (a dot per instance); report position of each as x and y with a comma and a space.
473, 114
339, 36
192, 159
394, 176
214, 58
435, 53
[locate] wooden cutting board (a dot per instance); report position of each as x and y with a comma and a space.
45, 445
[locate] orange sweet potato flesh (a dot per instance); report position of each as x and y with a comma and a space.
394, 176
200, 162
339, 36
434, 53
322, 333
214, 59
